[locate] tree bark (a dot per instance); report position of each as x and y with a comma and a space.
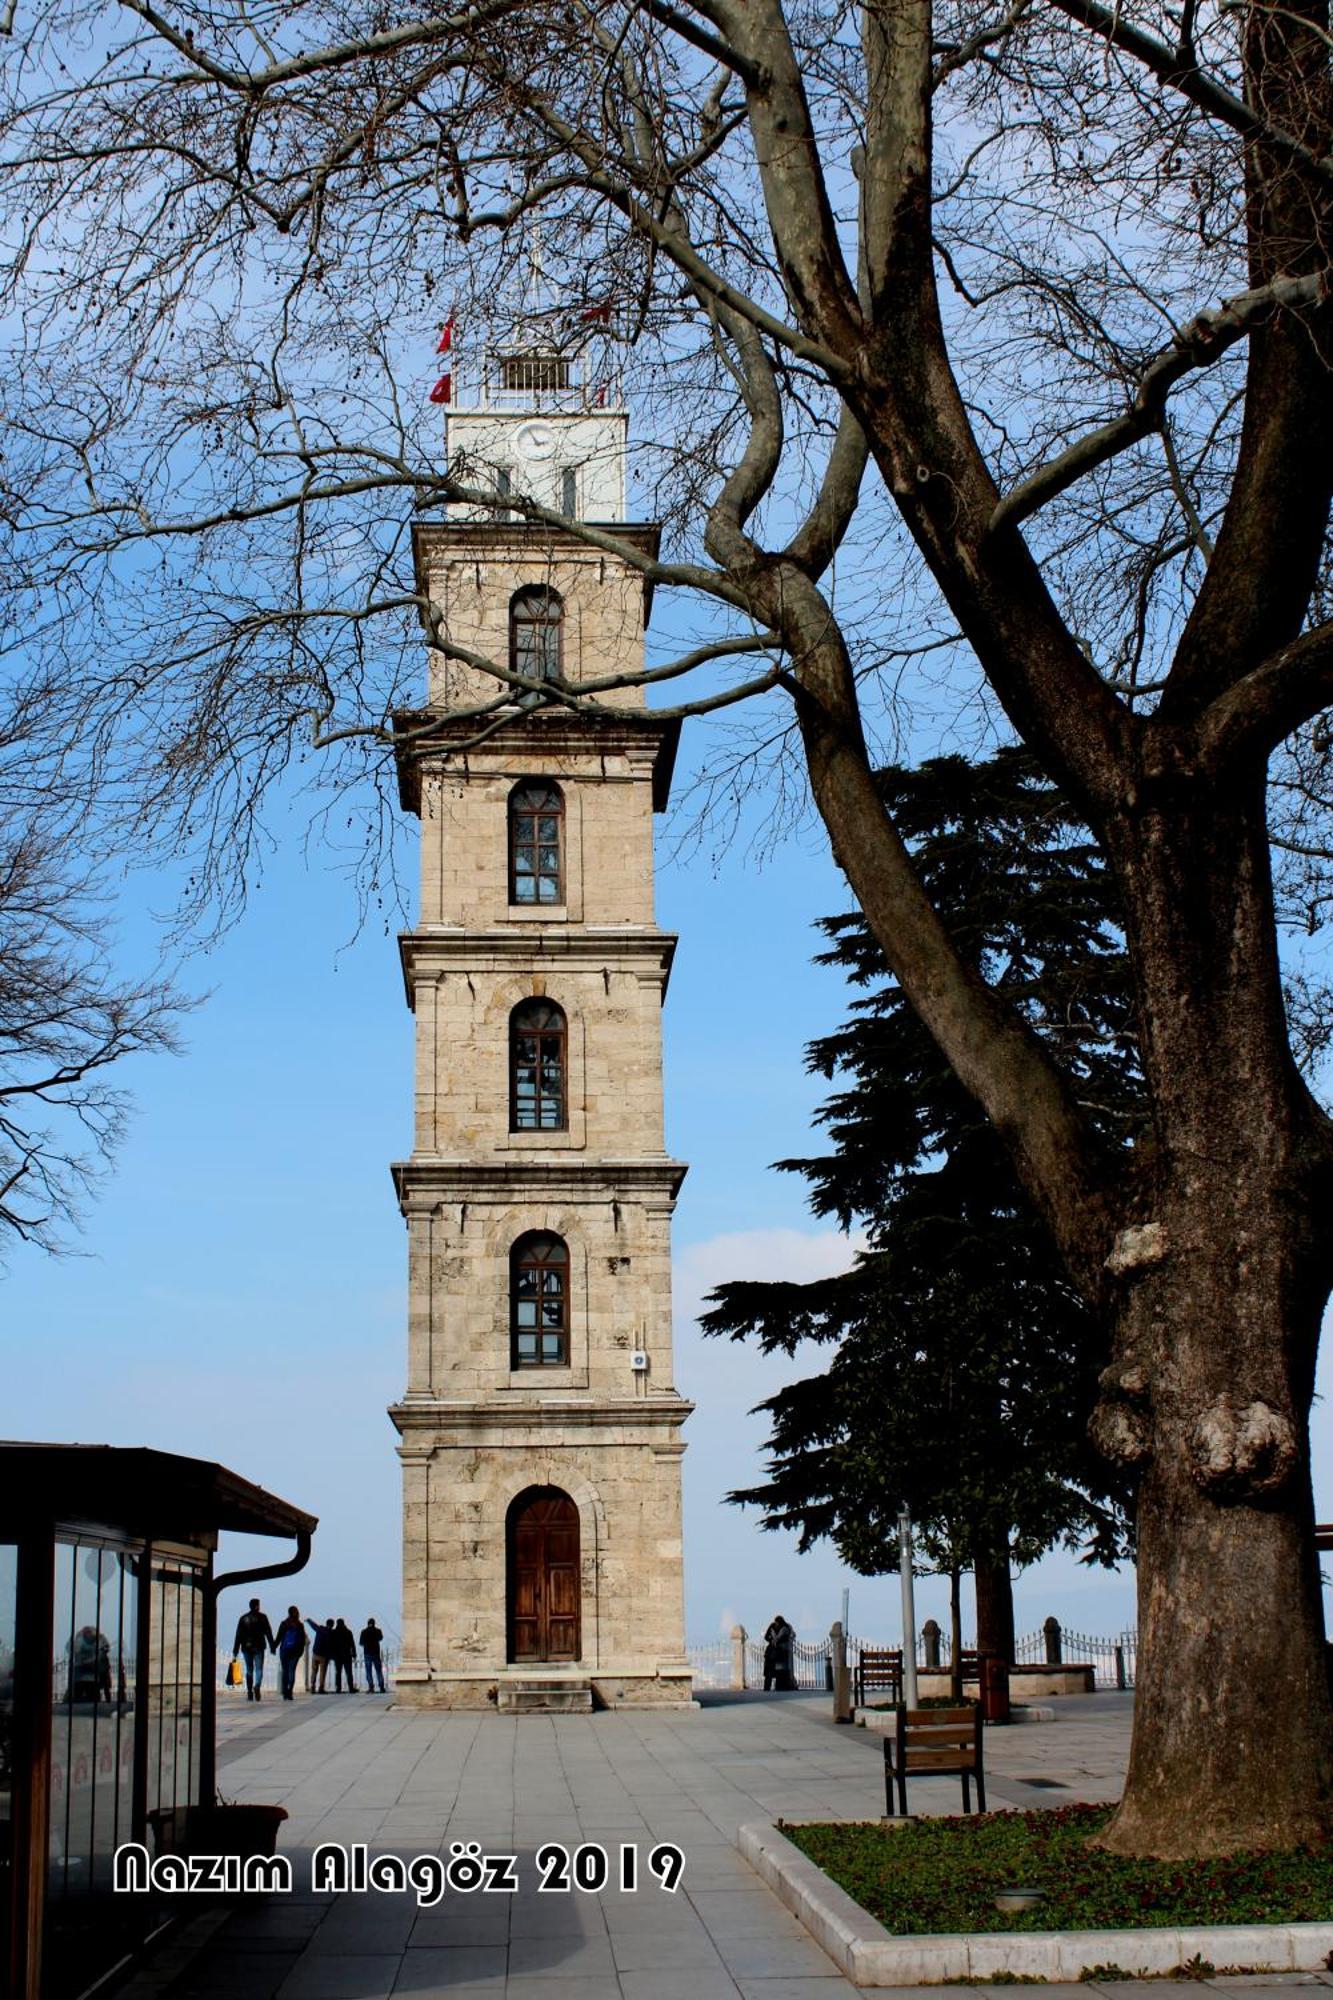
1220, 1289
995, 1603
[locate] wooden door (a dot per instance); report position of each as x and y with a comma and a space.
543, 1576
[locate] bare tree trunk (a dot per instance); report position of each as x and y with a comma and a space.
995, 1603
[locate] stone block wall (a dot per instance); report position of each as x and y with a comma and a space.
624, 1477
620, 1294
608, 838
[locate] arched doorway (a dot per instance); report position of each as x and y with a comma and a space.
542, 1537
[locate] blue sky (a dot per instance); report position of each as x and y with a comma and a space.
241, 1289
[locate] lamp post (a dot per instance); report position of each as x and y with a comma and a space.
909, 1608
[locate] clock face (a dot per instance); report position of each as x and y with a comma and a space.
535, 441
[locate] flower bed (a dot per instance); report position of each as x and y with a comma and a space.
942, 1875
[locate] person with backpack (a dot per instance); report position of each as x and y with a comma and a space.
291, 1650
254, 1641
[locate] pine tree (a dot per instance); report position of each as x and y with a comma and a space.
966, 1366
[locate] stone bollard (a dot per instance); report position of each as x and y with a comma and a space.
842, 1679
1121, 1678
930, 1640
738, 1638
1053, 1642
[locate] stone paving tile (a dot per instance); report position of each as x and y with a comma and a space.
663, 1919
725, 1931
556, 1916
440, 1928
665, 1985
417, 1981
228, 1973
776, 1958
453, 1965
957, 1992
1055, 1989
538, 1986
563, 1957
355, 1976
1167, 1989
273, 1928
685, 1954
355, 1924
791, 1989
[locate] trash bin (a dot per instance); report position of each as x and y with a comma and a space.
994, 1678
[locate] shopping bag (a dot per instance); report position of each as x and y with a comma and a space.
234, 1674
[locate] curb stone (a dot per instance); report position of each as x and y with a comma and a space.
872, 1956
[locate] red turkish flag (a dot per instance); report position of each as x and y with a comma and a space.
443, 390
446, 336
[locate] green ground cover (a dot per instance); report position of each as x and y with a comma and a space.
943, 1875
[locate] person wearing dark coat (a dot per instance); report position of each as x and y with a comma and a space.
371, 1643
779, 1658
321, 1652
291, 1643
254, 1641
344, 1656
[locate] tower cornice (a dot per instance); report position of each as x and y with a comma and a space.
427, 1178
593, 539
441, 1413
528, 947
514, 741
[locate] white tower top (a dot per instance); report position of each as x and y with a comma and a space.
542, 418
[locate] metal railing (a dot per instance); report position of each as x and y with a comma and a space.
1113, 1659
738, 1662
711, 1663
388, 1658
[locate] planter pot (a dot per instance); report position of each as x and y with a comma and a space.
241, 1830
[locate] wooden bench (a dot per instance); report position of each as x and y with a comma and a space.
879, 1673
944, 1742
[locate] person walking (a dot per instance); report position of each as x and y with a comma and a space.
344, 1656
371, 1643
254, 1641
291, 1650
321, 1652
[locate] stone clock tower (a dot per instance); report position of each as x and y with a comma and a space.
540, 1425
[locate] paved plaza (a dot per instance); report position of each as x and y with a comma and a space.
352, 1769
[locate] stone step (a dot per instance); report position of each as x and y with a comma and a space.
544, 1697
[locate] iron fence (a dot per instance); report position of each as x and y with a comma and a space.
711, 1663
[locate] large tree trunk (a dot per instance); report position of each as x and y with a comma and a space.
1220, 1290
1209, 1255
995, 1604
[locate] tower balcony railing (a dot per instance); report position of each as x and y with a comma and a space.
510, 379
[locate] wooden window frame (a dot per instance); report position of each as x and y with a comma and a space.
533, 843
523, 1257
557, 1035
548, 609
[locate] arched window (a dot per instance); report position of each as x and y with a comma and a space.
539, 1302
536, 622
536, 843
537, 1067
